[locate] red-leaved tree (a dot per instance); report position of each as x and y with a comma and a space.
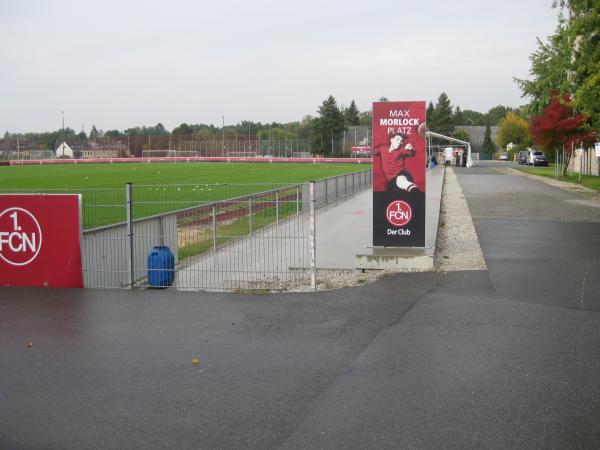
558, 127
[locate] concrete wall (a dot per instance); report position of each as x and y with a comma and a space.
585, 162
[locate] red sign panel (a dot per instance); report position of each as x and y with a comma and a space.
399, 174
40, 241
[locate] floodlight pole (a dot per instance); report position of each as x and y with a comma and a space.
223, 143
332, 143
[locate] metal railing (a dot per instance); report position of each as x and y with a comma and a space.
206, 236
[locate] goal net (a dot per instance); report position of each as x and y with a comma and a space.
169, 153
242, 154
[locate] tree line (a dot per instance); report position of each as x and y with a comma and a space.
563, 111
324, 131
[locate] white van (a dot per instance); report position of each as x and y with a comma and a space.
448, 155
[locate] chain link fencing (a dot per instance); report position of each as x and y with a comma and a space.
205, 236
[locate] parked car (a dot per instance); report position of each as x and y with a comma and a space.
503, 157
522, 157
537, 158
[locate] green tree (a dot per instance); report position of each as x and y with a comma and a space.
515, 130
488, 145
473, 118
351, 115
462, 135
583, 30
366, 119
497, 113
112, 133
442, 116
327, 128
429, 114
458, 117
94, 132
160, 129
183, 129
550, 67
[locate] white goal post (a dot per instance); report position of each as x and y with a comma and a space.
169, 153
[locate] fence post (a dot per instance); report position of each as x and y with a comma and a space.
297, 200
129, 243
161, 230
277, 207
326, 192
337, 188
214, 228
313, 240
250, 214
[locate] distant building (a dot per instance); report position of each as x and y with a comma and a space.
108, 149
101, 153
64, 151
476, 135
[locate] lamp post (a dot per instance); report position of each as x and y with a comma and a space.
332, 143
223, 141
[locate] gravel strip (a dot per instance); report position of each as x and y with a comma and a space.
457, 243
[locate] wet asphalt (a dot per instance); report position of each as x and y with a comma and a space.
504, 358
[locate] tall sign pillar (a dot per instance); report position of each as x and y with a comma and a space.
399, 160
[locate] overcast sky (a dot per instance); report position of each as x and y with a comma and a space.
118, 64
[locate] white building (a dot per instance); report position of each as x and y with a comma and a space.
64, 151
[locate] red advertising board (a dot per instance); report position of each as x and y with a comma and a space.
40, 240
399, 160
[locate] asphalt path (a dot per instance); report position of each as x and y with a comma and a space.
541, 243
463, 360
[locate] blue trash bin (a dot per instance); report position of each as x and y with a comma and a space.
161, 267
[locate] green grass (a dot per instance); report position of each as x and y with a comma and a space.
96, 176
237, 228
159, 187
589, 181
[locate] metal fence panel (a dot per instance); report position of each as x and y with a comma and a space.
221, 236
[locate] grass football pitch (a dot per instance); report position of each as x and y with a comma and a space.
159, 187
